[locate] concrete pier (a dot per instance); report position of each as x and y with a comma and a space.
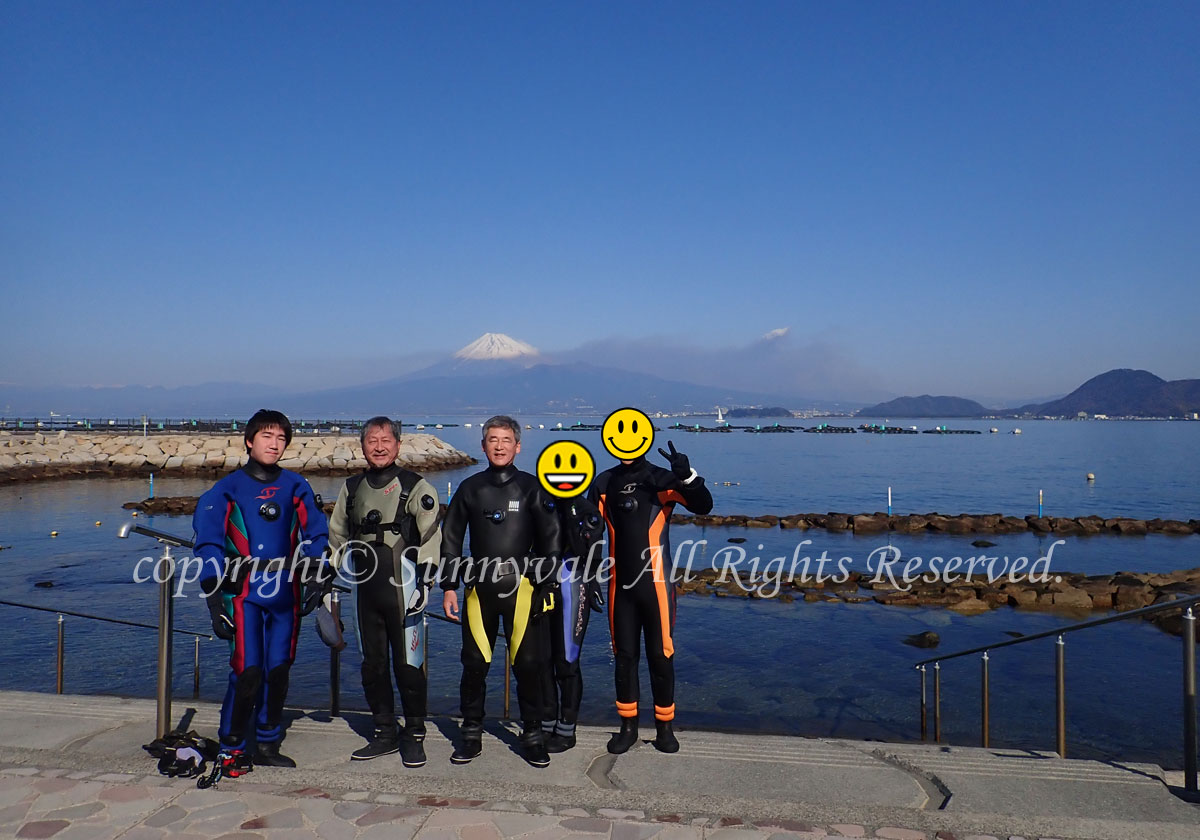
73, 767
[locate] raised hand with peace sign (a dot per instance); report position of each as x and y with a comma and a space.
680, 465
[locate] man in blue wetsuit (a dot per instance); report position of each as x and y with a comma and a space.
259, 531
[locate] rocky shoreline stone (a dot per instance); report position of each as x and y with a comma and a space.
963, 523
1075, 595
38, 456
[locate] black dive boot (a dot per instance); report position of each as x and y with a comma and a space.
412, 751
471, 744
267, 754
665, 740
533, 745
562, 739
414, 728
626, 738
384, 743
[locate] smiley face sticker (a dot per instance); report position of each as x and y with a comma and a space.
627, 434
565, 468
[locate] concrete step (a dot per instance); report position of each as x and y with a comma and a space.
718, 776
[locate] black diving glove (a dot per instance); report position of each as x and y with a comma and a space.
417, 600
543, 600
680, 465
222, 623
314, 594
595, 596
317, 585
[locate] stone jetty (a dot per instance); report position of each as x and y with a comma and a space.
1068, 593
963, 523
25, 457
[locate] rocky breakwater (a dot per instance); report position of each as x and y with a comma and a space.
63, 455
963, 523
1074, 595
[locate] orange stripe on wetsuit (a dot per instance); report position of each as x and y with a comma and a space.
660, 579
602, 506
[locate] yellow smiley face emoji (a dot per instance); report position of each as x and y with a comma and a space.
565, 468
627, 433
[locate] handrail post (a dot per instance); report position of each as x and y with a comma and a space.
196, 668
924, 722
335, 663
937, 702
1060, 716
985, 711
166, 628
1189, 700
62, 655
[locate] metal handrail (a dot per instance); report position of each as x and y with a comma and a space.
1082, 625
166, 615
60, 659
103, 618
1191, 745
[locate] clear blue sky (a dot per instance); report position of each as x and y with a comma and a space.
980, 198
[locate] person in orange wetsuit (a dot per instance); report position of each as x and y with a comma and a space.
636, 499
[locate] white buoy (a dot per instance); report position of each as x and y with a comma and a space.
54, 533
466, 425
993, 430
97, 523
1015, 432
1091, 477
438, 426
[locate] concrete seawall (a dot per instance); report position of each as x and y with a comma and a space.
63, 455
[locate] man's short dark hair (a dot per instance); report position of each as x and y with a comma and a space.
379, 423
503, 421
264, 418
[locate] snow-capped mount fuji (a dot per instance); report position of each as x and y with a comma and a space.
491, 346
489, 354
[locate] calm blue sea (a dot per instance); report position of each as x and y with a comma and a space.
809, 669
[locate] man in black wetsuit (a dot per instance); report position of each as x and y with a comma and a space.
514, 541
636, 499
384, 528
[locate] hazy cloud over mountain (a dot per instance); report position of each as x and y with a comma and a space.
778, 362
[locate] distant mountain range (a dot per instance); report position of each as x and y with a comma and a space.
500, 386
496, 373
205, 400
493, 373
1125, 393
925, 406
1117, 393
